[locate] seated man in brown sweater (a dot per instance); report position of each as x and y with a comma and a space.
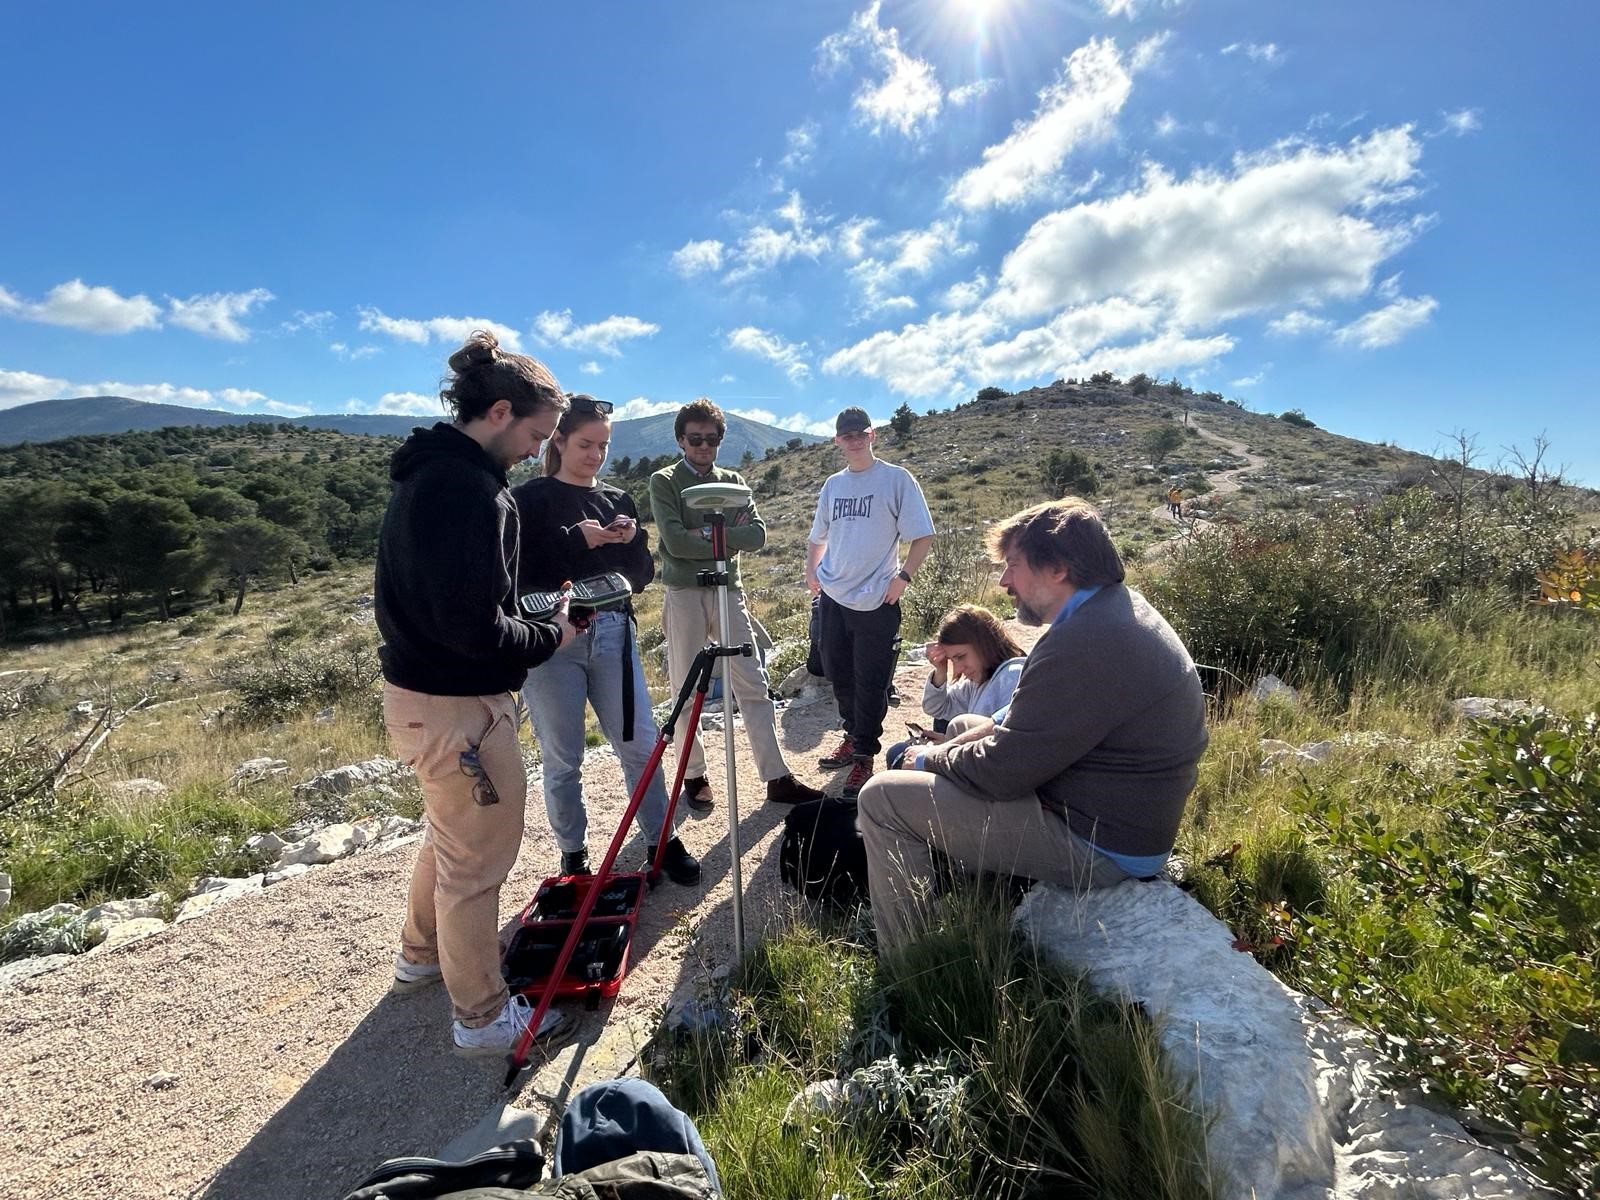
1084, 782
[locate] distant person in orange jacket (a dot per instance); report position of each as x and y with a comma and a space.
1175, 502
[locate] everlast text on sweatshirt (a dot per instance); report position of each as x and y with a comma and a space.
447, 565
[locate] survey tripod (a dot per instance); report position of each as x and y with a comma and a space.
713, 500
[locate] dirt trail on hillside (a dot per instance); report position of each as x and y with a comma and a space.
256, 1052
1223, 484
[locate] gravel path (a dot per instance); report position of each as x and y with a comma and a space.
256, 1052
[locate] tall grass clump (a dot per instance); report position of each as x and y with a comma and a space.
971, 1067
283, 682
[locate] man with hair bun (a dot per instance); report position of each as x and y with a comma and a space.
689, 611
1085, 783
454, 650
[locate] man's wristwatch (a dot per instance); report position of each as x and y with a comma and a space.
904, 574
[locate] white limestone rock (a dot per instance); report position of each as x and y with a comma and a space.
281, 874
1277, 753
1301, 1111
222, 891
224, 883
253, 770
104, 919
324, 846
1270, 687
13, 973
265, 846
341, 781
1489, 708
126, 932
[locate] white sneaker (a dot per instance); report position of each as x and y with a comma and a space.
501, 1035
411, 977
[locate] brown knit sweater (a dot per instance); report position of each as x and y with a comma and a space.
1106, 726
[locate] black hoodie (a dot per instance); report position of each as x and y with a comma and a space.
447, 566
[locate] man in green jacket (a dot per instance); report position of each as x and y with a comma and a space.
1084, 783
689, 611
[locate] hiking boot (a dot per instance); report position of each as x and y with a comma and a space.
697, 794
786, 789
575, 862
413, 977
860, 772
842, 756
501, 1035
681, 867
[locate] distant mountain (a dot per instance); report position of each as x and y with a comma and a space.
52, 420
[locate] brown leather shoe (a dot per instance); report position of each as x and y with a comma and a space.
786, 789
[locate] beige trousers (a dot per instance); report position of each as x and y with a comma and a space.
689, 621
905, 815
474, 830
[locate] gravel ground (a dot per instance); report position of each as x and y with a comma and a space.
257, 1052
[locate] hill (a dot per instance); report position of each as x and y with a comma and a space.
53, 420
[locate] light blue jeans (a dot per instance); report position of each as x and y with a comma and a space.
588, 671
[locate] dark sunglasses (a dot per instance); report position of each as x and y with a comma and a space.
590, 404
703, 439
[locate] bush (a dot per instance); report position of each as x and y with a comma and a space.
956, 571
1297, 418
1472, 945
1068, 472
293, 681
991, 393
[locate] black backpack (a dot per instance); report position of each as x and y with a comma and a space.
822, 855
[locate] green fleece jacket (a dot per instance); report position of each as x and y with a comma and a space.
685, 551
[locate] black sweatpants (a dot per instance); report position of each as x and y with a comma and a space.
858, 651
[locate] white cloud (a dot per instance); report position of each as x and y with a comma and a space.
1262, 52
1387, 325
354, 353
767, 246
1132, 8
169, 393
794, 422
906, 97
968, 92
1294, 226
1166, 125
1078, 107
790, 356
1463, 121
1169, 351
317, 322
852, 237
407, 404
24, 387
802, 143
934, 357
1297, 322
696, 258
913, 253
1072, 336
591, 368
601, 337
1249, 381
643, 406
287, 410
436, 329
216, 314
965, 294
78, 305
727, 377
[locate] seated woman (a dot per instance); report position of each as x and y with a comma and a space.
975, 667
574, 526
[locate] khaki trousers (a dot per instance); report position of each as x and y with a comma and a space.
689, 621
905, 815
469, 847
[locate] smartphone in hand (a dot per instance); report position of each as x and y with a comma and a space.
916, 731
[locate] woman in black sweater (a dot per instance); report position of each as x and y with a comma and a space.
574, 526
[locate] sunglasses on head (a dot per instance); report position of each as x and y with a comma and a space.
703, 439
590, 404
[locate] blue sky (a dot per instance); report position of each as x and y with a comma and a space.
1382, 214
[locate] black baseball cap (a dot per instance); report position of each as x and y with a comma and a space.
852, 420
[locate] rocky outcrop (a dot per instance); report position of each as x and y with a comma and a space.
1299, 1109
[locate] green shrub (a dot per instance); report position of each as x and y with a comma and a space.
288, 682
1471, 945
1068, 472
